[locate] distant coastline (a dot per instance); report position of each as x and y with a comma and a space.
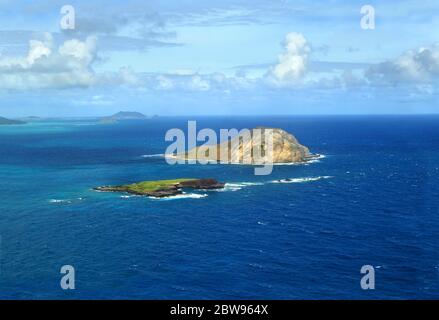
124, 116
5, 121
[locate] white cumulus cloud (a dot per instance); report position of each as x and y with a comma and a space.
292, 64
418, 66
69, 65
198, 83
46, 66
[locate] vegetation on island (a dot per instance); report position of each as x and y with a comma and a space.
163, 188
149, 186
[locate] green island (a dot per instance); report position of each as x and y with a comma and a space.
163, 188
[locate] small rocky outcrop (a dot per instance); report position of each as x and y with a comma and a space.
201, 184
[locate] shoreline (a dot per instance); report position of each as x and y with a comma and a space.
312, 159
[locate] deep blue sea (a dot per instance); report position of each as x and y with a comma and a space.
373, 200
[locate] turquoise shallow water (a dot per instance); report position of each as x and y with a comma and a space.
371, 200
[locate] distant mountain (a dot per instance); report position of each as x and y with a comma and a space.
30, 118
124, 115
9, 121
128, 115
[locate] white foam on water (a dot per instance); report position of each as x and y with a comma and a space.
182, 196
301, 180
237, 186
158, 155
65, 201
229, 187
240, 185
245, 184
127, 197
60, 201
290, 163
314, 160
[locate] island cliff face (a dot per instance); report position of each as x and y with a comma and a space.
163, 188
286, 148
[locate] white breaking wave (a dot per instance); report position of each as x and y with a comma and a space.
183, 196
66, 201
240, 185
314, 160
301, 180
158, 155
60, 201
245, 184
229, 187
128, 196
237, 186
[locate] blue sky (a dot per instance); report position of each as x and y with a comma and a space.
218, 57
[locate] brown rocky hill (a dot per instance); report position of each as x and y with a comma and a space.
286, 149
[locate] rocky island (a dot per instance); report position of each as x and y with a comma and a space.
286, 149
123, 116
163, 188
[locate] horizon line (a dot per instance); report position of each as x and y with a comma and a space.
232, 115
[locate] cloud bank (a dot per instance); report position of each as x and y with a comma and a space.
70, 65
418, 66
46, 66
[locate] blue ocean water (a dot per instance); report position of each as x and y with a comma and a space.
373, 200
